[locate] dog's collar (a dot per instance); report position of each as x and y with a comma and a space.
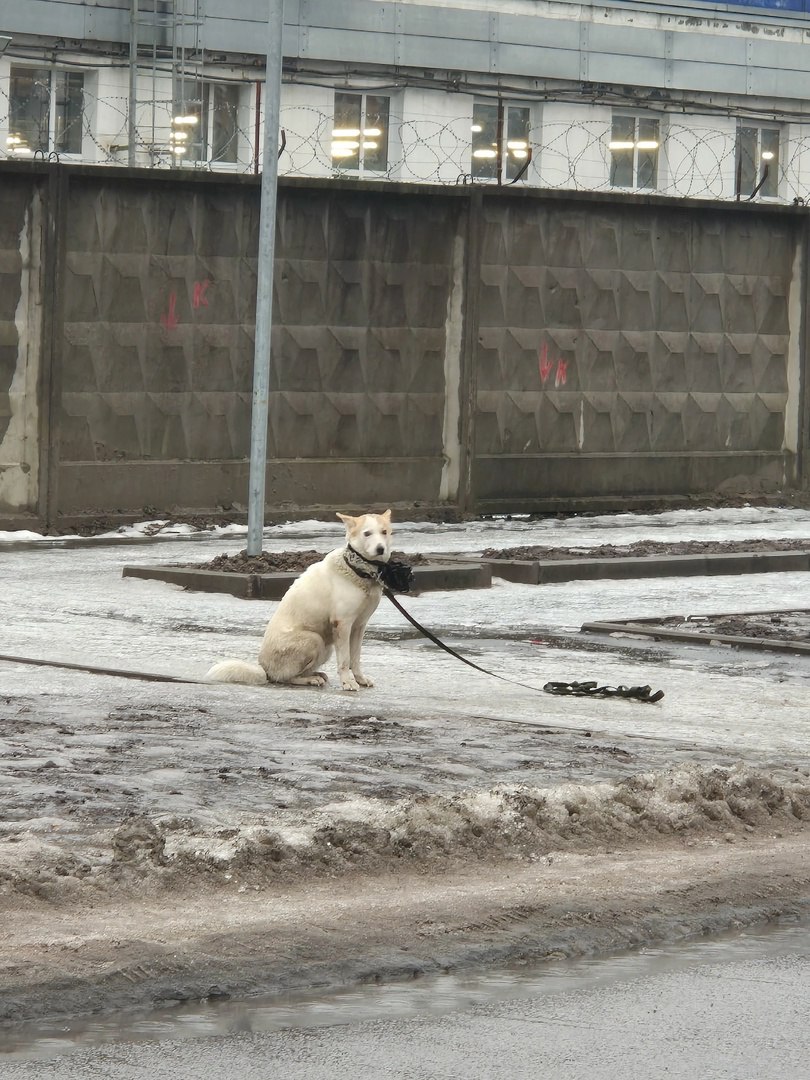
363, 567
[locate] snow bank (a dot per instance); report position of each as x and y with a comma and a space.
586, 530
689, 802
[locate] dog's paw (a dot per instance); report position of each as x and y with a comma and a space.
317, 678
348, 682
364, 680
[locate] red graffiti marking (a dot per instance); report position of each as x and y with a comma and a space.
199, 299
200, 289
547, 365
169, 318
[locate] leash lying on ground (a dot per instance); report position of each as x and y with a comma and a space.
579, 689
118, 673
593, 689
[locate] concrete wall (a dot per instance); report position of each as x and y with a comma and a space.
22, 348
471, 349
632, 350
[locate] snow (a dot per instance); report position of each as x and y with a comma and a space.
587, 530
434, 745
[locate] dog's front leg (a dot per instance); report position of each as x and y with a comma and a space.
342, 632
356, 643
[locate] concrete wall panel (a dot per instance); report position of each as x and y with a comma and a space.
562, 346
22, 226
633, 333
158, 336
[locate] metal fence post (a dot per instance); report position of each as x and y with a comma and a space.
264, 284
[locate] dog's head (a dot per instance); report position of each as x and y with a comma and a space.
369, 535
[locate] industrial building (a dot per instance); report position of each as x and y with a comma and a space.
685, 99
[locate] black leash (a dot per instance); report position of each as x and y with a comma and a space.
584, 689
117, 673
438, 641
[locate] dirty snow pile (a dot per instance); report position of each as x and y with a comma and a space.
514, 822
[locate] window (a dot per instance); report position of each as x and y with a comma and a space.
46, 109
205, 126
757, 161
500, 140
223, 105
360, 132
634, 145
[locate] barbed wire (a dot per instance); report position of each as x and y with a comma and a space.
689, 159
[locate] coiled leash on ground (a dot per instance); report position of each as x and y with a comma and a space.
593, 689
398, 577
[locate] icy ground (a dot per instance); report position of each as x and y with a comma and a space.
102, 778
83, 751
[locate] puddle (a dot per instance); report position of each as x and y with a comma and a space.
428, 996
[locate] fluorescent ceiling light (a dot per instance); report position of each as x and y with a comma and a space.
767, 155
621, 145
372, 132
517, 144
647, 144
485, 153
190, 119
345, 133
476, 128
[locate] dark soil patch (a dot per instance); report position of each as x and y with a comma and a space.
647, 547
770, 625
275, 562
269, 562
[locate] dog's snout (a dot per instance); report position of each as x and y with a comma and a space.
380, 549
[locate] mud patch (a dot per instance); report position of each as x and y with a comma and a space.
273, 562
770, 626
767, 630
365, 728
646, 547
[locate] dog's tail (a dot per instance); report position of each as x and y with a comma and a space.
237, 671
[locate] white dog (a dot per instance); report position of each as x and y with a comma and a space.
327, 607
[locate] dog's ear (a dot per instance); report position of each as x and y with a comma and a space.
347, 519
387, 515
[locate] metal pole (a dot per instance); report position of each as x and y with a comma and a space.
132, 132
264, 283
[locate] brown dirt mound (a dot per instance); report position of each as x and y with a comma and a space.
647, 547
274, 562
790, 626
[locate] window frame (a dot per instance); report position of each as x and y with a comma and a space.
764, 183
503, 151
196, 99
57, 133
647, 128
356, 129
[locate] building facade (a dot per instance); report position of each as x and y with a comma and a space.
684, 99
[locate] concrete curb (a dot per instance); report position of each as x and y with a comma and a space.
548, 571
651, 628
430, 577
